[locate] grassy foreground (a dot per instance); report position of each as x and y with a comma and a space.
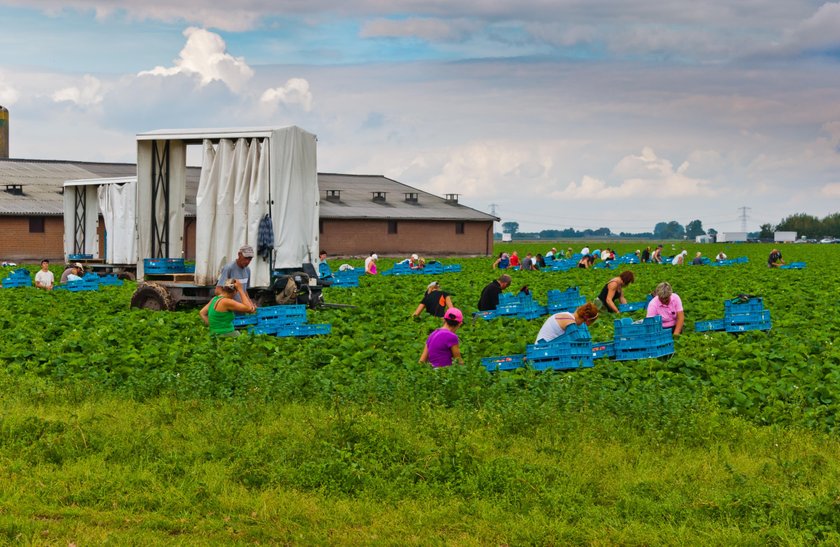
80, 467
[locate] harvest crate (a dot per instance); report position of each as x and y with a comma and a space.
244, 320
80, 257
77, 286
158, 266
263, 329
568, 300
643, 341
487, 315
505, 362
304, 330
792, 266
286, 314
633, 306
625, 327
111, 280
737, 306
652, 352
711, 325
12, 282
603, 349
563, 364
743, 327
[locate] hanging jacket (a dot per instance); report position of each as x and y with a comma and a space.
265, 238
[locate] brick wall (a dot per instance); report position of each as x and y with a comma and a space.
18, 244
425, 237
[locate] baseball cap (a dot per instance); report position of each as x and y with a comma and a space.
454, 314
78, 265
375, 256
414, 257
247, 251
432, 285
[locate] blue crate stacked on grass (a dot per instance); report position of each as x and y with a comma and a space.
18, 278
792, 266
633, 306
521, 306
568, 300
731, 261
601, 350
283, 321
340, 278
739, 315
571, 351
642, 339
78, 256
163, 266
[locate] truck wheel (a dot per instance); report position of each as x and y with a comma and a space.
151, 296
126, 276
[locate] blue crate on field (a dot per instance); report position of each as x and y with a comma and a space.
792, 266
626, 327
13, 282
633, 306
285, 314
111, 280
741, 322
244, 320
642, 340
505, 362
652, 352
264, 329
571, 350
305, 329
610, 265
78, 286
710, 325
735, 305
452, 268
601, 350
568, 300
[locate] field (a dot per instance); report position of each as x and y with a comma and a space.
134, 427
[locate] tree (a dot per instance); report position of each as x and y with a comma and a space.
766, 231
802, 224
510, 227
712, 232
694, 229
669, 230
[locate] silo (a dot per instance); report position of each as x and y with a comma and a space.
4, 133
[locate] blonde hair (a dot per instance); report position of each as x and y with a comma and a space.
663, 290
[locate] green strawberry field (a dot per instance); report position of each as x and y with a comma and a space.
131, 426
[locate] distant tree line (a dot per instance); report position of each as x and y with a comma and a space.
662, 230
805, 226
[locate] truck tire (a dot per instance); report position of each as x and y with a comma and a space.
151, 296
129, 276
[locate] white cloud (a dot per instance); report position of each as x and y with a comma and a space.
296, 91
821, 30
89, 93
8, 94
643, 176
204, 55
831, 190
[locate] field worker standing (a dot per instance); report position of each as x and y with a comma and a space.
556, 325
614, 290
435, 301
45, 279
219, 312
667, 305
370, 264
490, 295
73, 269
238, 270
442, 346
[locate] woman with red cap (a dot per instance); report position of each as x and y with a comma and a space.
442, 345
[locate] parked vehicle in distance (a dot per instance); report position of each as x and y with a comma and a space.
829, 240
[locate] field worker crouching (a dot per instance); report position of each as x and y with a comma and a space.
614, 290
238, 270
442, 346
435, 301
667, 305
73, 269
490, 294
45, 279
557, 324
218, 314
370, 264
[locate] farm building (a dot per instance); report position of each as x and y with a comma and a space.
358, 213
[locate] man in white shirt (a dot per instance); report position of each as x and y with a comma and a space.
45, 279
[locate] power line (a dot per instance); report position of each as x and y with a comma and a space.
743, 217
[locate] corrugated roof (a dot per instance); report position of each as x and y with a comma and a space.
356, 200
42, 181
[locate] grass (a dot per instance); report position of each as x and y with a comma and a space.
107, 469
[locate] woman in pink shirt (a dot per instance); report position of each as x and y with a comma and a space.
443, 347
667, 305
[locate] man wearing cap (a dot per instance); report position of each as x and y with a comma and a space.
239, 270
490, 295
435, 301
73, 269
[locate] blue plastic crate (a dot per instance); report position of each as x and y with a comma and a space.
743, 327
557, 351
79, 256
304, 330
14, 283
793, 266
111, 280
711, 325
291, 312
601, 350
157, 266
505, 362
487, 315
736, 306
20, 273
633, 306
532, 313
244, 320
263, 329
452, 268
563, 364
77, 286
746, 318
643, 341
652, 352
625, 327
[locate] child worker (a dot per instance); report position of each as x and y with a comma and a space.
442, 345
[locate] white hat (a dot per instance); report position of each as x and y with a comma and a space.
375, 256
414, 257
433, 284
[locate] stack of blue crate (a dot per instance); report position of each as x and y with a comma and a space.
739, 315
792, 266
18, 278
601, 350
633, 306
341, 278
642, 339
286, 320
78, 256
79, 285
162, 266
570, 351
505, 362
431, 268
110, 279
568, 300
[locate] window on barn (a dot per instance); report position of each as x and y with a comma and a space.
459, 228
392, 226
320, 226
36, 225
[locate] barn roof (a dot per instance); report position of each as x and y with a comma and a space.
40, 183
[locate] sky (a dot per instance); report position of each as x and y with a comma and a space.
553, 113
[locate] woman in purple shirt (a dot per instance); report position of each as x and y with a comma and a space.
442, 345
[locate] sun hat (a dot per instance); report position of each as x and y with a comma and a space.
414, 257
78, 265
433, 284
454, 314
246, 251
375, 256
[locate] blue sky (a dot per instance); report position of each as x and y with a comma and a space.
561, 112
